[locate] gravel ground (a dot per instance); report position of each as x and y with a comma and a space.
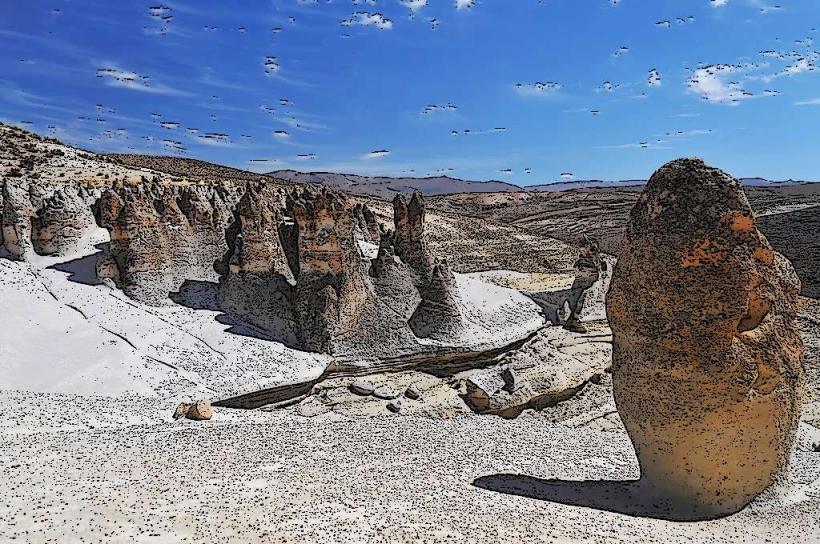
277, 477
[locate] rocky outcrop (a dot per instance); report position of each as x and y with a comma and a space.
45, 219
549, 368
408, 238
314, 283
707, 356
162, 235
256, 280
367, 223
63, 223
332, 290
438, 315
586, 299
17, 214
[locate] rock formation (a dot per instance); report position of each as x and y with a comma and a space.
45, 219
707, 356
332, 291
408, 239
438, 315
587, 296
256, 280
314, 283
17, 214
162, 235
63, 223
547, 369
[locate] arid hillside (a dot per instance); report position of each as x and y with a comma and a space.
789, 216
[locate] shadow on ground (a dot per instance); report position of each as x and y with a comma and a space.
84, 269
628, 497
204, 295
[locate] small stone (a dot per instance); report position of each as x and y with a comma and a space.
394, 406
412, 393
362, 387
385, 392
200, 411
182, 410
511, 381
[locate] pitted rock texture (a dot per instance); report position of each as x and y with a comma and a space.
408, 238
332, 290
587, 296
162, 235
64, 222
707, 365
438, 315
17, 214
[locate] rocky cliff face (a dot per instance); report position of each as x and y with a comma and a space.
707, 356
408, 238
162, 235
315, 282
45, 219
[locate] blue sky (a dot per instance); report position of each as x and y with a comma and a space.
519, 90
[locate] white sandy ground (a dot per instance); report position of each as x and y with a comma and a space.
257, 477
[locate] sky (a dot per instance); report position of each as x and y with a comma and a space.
524, 91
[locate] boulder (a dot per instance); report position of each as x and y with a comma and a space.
385, 392
707, 366
362, 387
201, 410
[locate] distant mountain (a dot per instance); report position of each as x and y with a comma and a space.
388, 187
583, 184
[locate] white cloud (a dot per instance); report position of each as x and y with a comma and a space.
811, 102
718, 3
464, 4
116, 77
654, 78
378, 154
539, 88
363, 18
719, 84
414, 5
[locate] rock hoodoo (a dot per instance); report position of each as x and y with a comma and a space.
707, 355
315, 283
162, 235
45, 219
587, 296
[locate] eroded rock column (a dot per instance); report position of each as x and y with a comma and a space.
707, 356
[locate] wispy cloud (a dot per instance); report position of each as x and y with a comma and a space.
114, 76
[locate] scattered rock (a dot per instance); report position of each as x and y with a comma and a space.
386, 393
363, 387
201, 410
707, 366
182, 410
412, 392
394, 406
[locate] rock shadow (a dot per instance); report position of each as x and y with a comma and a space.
198, 295
84, 269
627, 497
204, 295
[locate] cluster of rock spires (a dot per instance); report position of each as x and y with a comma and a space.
300, 267
44, 219
162, 235
707, 367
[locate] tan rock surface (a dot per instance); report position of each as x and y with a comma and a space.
707, 356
